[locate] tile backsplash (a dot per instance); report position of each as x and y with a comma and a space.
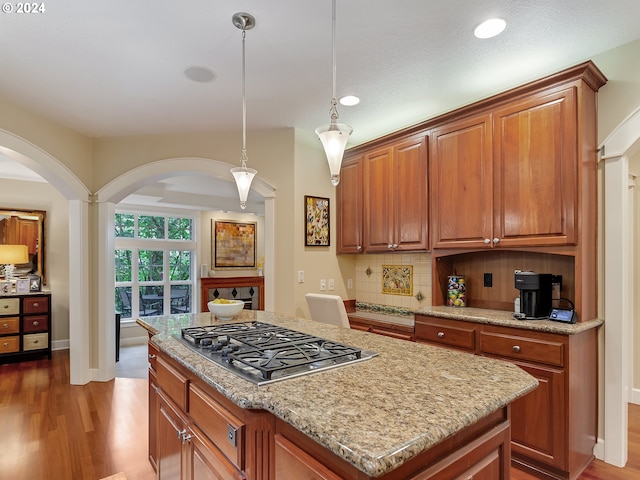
369, 279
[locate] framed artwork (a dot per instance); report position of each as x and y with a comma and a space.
22, 285
35, 283
234, 244
316, 216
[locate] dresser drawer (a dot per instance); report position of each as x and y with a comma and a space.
9, 306
517, 347
448, 334
35, 305
35, 323
224, 429
9, 325
172, 382
10, 344
35, 341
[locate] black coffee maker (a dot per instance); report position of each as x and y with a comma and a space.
535, 294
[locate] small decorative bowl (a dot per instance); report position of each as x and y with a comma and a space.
226, 311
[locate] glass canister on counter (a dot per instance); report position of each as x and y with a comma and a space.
457, 291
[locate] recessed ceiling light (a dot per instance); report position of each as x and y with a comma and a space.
490, 28
349, 100
200, 74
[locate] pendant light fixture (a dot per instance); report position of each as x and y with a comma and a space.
334, 136
243, 175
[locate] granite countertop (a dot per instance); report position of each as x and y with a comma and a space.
375, 414
505, 319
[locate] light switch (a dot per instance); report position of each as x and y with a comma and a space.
300, 276
349, 282
331, 285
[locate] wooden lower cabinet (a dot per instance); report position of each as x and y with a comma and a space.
388, 329
553, 428
212, 438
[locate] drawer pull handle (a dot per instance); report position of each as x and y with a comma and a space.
516, 348
440, 334
5, 344
152, 357
36, 304
231, 435
36, 323
35, 341
5, 306
6, 325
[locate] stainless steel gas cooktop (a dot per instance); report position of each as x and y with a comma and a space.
263, 353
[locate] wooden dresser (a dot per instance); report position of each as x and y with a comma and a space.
25, 326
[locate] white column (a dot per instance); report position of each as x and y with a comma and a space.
79, 328
617, 304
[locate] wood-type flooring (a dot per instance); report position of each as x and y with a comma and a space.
53, 430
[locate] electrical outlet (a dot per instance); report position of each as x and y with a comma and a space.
323, 285
331, 285
300, 276
488, 279
349, 282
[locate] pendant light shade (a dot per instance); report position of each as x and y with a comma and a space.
243, 175
334, 136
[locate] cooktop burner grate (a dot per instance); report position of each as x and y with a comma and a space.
264, 353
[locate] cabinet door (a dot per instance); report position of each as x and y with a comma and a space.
154, 408
378, 209
170, 446
535, 154
462, 184
409, 195
293, 462
538, 420
350, 209
206, 462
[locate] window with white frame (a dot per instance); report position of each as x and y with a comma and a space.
154, 264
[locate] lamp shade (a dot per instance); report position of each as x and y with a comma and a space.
334, 137
244, 177
12, 254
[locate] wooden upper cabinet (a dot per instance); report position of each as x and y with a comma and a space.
350, 209
507, 177
395, 197
535, 174
462, 183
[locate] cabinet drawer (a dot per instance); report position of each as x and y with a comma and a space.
446, 335
224, 429
9, 344
35, 305
522, 348
9, 306
173, 383
36, 323
9, 325
152, 355
35, 341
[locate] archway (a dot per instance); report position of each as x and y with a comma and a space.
115, 191
61, 178
619, 146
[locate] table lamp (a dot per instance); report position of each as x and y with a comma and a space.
10, 255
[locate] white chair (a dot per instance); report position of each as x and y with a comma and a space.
327, 309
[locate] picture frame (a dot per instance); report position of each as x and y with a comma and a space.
35, 283
5, 288
317, 221
22, 285
234, 244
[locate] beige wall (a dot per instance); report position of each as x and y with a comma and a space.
41, 196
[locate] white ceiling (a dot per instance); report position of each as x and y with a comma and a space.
117, 67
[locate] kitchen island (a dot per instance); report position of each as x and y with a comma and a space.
412, 411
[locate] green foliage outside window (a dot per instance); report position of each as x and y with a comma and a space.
123, 265
180, 228
124, 225
179, 265
150, 265
150, 227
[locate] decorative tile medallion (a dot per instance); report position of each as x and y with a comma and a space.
397, 279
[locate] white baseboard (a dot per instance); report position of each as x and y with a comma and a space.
634, 397
60, 344
598, 449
